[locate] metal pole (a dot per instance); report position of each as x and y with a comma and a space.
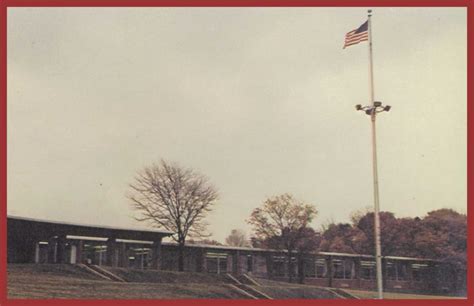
378, 251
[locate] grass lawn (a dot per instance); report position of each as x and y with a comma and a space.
392, 295
289, 291
284, 290
168, 277
69, 282
43, 281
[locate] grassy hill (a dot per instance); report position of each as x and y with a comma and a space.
42, 281
168, 277
362, 294
69, 282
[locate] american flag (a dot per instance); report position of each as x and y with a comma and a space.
357, 35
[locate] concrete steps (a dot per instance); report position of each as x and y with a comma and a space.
343, 294
243, 283
248, 280
101, 272
233, 279
107, 273
88, 269
241, 291
255, 292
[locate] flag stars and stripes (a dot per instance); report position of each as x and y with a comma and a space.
356, 36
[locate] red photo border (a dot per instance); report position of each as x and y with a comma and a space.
4, 5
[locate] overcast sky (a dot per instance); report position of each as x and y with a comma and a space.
260, 100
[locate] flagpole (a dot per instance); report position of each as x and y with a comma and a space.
378, 251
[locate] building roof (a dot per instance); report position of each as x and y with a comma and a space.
345, 254
44, 229
222, 247
335, 254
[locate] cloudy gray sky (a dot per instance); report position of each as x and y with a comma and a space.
261, 100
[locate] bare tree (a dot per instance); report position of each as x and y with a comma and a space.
281, 222
237, 238
173, 198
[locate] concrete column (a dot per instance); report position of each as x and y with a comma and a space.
236, 262
123, 255
384, 272
229, 263
330, 276
136, 262
357, 271
61, 249
142, 259
269, 262
357, 268
79, 251
99, 255
52, 250
111, 254
156, 255
200, 260
37, 252
72, 254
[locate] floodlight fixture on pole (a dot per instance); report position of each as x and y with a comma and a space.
376, 108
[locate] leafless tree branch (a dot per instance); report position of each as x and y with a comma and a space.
173, 198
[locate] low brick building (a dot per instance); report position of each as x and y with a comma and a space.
41, 241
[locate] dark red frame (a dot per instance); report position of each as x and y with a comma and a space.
226, 3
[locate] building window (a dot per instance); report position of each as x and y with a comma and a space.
279, 264
402, 271
391, 270
141, 257
349, 269
216, 262
419, 271
294, 266
396, 270
367, 269
321, 268
211, 264
222, 264
309, 267
343, 268
99, 254
337, 268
